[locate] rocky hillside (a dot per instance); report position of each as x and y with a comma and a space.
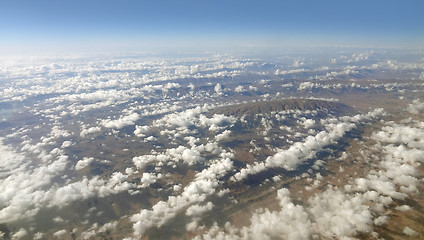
265, 107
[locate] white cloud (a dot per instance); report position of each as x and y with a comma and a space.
223, 136
38, 236
218, 89
403, 208
21, 233
340, 215
85, 162
198, 210
308, 123
299, 152
410, 232
66, 144
22, 192
239, 89
148, 178
87, 188
195, 192
60, 234
291, 222
121, 122
90, 130
140, 131
110, 226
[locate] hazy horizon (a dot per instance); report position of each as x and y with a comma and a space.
96, 26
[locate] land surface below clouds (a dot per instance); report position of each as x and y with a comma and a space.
296, 147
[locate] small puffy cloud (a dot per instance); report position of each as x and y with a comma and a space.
85, 162
199, 210
38, 236
380, 220
66, 144
416, 107
60, 234
148, 178
306, 85
58, 220
140, 131
308, 123
90, 130
21, 233
150, 139
239, 89
191, 156
356, 57
403, 208
121, 122
223, 136
218, 89
216, 119
110, 226
410, 232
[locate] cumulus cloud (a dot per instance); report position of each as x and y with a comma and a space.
330, 214
218, 89
87, 188
398, 175
140, 131
23, 193
28, 190
21, 233
86, 131
300, 152
306, 85
60, 233
198, 210
94, 91
183, 119
223, 136
197, 191
110, 226
410, 232
121, 122
337, 214
85, 162
239, 89
189, 156
308, 123
148, 178
291, 222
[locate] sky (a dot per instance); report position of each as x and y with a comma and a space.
85, 24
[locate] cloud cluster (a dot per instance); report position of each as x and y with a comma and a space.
186, 155
56, 102
27, 188
195, 192
122, 121
299, 152
85, 162
416, 107
331, 214
344, 213
356, 208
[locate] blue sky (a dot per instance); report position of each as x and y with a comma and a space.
129, 23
